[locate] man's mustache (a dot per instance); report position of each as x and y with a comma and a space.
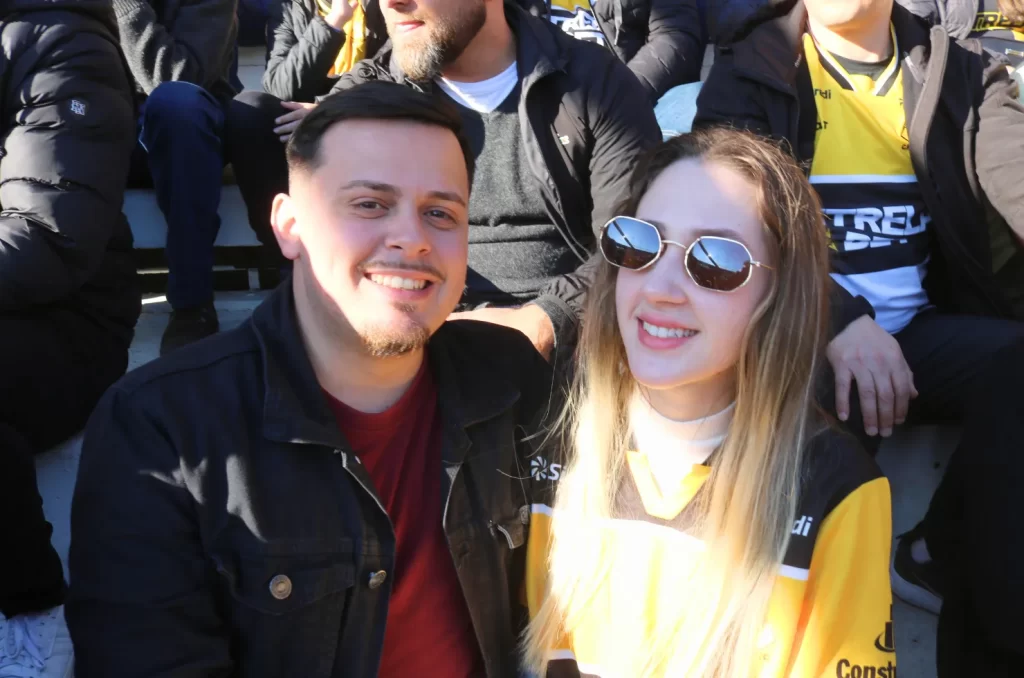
402, 266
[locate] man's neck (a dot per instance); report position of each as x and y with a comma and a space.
491, 52
346, 371
868, 42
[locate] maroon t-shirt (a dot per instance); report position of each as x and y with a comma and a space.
429, 631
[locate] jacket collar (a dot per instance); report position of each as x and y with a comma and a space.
296, 411
773, 52
537, 51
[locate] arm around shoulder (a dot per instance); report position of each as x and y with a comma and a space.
140, 602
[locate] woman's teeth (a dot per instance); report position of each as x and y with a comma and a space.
667, 332
398, 283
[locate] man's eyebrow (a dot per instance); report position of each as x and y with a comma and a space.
448, 197
372, 185
381, 187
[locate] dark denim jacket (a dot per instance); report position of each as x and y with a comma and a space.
222, 527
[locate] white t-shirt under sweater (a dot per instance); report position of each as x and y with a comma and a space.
483, 96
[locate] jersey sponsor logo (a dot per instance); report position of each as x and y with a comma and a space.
864, 227
579, 23
886, 641
802, 527
846, 669
823, 93
79, 107
991, 21
540, 469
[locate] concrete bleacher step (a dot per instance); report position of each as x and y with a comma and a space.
150, 229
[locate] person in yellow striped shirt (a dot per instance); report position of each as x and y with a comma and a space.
694, 514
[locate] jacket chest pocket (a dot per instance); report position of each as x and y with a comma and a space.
287, 608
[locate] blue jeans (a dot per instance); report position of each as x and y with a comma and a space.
676, 109
182, 128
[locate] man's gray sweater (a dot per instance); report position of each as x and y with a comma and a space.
188, 40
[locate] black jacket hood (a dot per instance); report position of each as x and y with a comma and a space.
100, 9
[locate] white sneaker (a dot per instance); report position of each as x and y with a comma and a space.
36, 646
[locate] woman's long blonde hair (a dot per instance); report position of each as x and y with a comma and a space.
746, 509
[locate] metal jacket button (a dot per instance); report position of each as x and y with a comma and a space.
377, 578
280, 587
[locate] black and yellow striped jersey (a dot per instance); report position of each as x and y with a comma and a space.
830, 609
874, 210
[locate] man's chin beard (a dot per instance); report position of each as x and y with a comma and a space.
425, 61
379, 342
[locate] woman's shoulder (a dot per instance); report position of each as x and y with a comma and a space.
835, 466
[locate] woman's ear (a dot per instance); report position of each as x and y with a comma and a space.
285, 222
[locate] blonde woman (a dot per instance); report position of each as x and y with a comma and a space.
706, 520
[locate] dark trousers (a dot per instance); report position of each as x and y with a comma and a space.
257, 154
55, 367
970, 369
182, 139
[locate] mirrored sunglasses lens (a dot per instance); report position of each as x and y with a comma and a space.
630, 243
718, 264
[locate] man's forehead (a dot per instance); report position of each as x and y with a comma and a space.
410, 157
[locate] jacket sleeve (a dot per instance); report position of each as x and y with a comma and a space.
191, 50
621, 128
726, 100
141, 600
846, 617
302, 50
999, 146
63, 165
674, 51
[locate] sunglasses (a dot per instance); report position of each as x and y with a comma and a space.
712, 262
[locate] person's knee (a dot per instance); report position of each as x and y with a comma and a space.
181, 104
254, 109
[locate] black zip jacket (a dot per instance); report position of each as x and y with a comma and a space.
660, 40
67, 131
585, 120
179, 40
207, 474
303, 48
966, 132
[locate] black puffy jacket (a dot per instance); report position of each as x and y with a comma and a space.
660, 40
67, 131
302, 48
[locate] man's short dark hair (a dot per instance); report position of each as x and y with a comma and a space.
376, 100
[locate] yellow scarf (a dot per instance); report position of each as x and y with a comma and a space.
354, 49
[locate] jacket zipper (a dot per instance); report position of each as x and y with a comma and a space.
930, 95
506, 533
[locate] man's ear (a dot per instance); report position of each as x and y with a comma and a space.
286, 225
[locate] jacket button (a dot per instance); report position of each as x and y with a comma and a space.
377, 578
281, 587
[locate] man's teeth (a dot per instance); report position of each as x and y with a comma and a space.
667, 332
398, 283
